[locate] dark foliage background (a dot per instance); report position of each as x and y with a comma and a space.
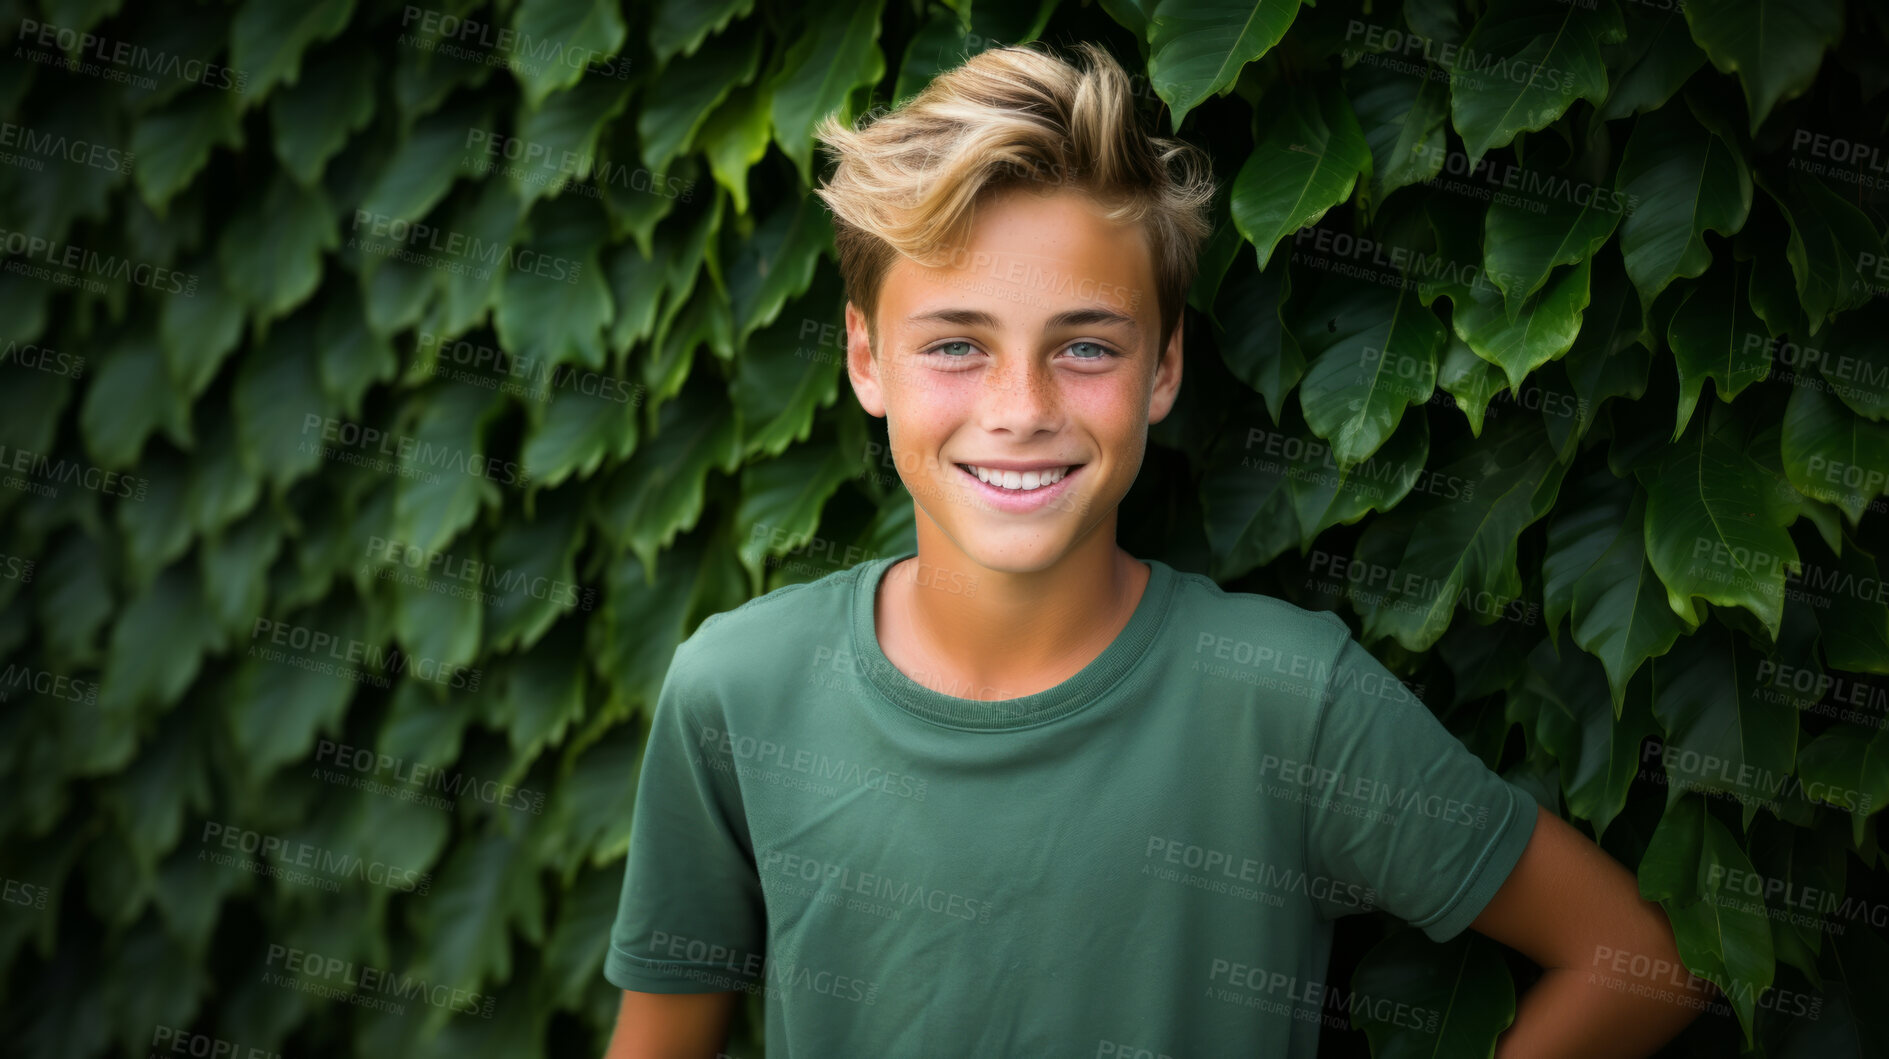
386, 389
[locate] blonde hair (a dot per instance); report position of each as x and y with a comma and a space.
907, 182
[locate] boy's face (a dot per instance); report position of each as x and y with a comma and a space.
1035, 344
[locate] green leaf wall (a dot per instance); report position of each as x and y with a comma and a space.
386, 389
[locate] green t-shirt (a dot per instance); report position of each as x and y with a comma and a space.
1141, 861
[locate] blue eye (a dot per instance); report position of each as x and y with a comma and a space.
1100, 350
942, 346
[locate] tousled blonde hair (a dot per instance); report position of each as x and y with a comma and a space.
1013, 116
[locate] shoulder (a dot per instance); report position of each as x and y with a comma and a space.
772, 635
1238, 624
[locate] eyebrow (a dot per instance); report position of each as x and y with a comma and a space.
1071, 318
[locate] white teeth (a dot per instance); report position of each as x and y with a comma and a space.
1022, 482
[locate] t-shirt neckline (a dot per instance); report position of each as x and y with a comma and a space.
1093, 681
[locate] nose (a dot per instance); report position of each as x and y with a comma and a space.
1019, 396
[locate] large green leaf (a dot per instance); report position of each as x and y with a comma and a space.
272, 249
282, 422
157, 645
560, 40
1712, 530
72, 126
487, 221
1609, 358
235, 563
1457, 541
221, 487
1619, 608
1728, 728
574, 954
445, 475
1775, 47
558, 139
660, 491
155, 528
735, 137
1832, 242
1470, 380
333, 100
75, 597
583, 422
200, 331
680, 26
1691, 868
1325, 494
693, 88
1598, 752
644, 615
440, 617
1848, 767
1544, 331
1715, 335
1766, 450
784, 496
778, 262
267, 39
1649, 66
553, 304
1524, 64
1856, 625
939, 44
1372, 352
1448, 999
129, 397
1833, 455
280, 697
783, 375
1853, 363
487, 888
1404, 119
543, 691
1307, 159
1544, 327
1553, 218
173, 144
1198, 47
1252, 338
1681, 179
1245, 500
353, 357
421, 168
837, 52
636, 285
1586, 521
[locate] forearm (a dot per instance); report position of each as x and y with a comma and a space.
1595, 1012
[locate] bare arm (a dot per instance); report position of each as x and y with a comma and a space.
671, 1025
1572, 908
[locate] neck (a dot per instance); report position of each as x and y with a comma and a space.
1001, 634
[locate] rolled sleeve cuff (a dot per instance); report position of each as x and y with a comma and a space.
1498, 858
638, 974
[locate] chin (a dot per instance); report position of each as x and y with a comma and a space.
1028, 554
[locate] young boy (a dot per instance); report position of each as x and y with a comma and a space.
1020, 793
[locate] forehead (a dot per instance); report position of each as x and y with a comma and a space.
1028, 256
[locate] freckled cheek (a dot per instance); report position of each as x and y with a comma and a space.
1109, 407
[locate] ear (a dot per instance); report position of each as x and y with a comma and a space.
861, 367
1167, 374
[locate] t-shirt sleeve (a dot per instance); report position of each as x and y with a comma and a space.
691, 917
1398, 809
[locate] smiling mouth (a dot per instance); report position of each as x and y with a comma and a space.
1019, 481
